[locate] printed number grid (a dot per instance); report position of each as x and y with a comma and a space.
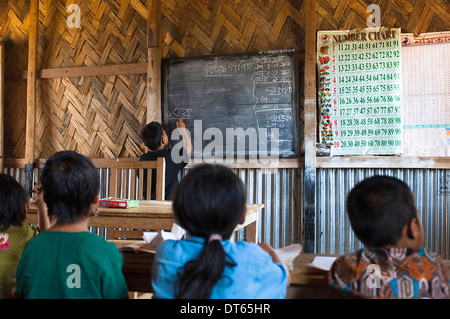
360, 92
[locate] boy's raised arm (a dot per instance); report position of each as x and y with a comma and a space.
44, 221
186, 140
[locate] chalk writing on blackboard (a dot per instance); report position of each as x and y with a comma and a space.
253, 92
274, 77
180, 112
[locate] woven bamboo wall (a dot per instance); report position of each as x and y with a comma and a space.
101, 116
413, 16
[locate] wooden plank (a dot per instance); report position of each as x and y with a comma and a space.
424, 20
31, 81
160, 179
31, 97
103, 70
282, 163
321, 162
2, 106
310, 128
154, 43
340, 9
384, 162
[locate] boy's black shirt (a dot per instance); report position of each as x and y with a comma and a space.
172, 170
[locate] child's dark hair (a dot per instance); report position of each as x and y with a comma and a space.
209, 200
379, 208
70, 183
152, 134
12, 202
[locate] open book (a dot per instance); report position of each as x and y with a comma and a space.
323, 262
153, 239
288, 254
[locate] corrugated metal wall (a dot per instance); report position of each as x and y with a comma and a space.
430, 186
281, 192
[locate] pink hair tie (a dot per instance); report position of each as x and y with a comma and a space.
215, 237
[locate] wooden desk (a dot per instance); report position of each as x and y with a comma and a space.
311, 283
154, 215
306, 282
137, 269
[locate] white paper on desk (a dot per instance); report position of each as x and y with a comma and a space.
153, 239
177, 231
156, 237
323, 262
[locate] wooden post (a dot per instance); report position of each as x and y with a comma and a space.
31, 96
154, 44
2, 106
310, 129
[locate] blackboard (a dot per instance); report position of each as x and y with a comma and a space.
237, 94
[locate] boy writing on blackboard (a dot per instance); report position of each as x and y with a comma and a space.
394, 262
156, 144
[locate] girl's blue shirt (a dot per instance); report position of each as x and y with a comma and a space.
255, 275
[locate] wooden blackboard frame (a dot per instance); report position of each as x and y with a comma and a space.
293, 103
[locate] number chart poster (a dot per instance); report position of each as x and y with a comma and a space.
360, 91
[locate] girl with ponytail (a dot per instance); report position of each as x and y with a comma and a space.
209, 203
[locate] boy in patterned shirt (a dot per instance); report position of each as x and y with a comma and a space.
393, 262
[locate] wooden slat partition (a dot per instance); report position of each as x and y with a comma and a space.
125, 184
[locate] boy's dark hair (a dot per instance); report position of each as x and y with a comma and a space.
210, 199
379, 208
152, 134
70, 183
12, 202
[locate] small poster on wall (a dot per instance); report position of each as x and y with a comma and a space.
426, 94
360, 91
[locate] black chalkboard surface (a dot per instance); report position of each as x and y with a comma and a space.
240, 104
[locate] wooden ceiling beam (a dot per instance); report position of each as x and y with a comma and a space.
103, 70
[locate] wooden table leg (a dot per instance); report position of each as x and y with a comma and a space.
252, 232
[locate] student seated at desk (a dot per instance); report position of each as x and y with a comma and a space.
209, 203
156, 145
14, 232
67, 261
393, 263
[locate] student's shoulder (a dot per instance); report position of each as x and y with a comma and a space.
101, 248
149, 156
430, 255
250, 252
99, 241
39, 237
177, 252
246, 247
24, 231
348, 261
170, 247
